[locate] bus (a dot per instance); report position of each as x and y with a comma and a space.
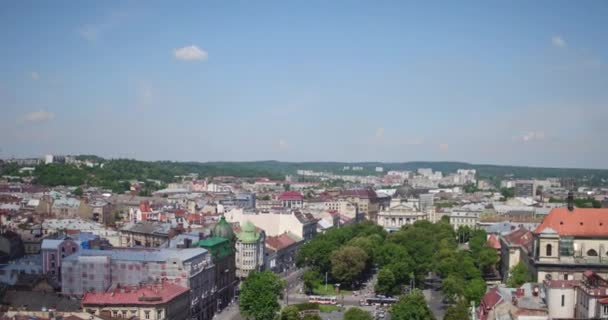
323, 299
377, 301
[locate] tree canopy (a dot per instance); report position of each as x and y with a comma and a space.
259, 292
411, 307
518, 275
355, 313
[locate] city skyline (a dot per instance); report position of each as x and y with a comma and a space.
485, 83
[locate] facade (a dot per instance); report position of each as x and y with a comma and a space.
515, 247
571, 241
281, 252
525, 188
145, 234
464, 218
53, 252
592, 297
277, 222
366, 201
427, 202
101, 212
155, 301
398, 216
249, 250
561, 298
291, 199
66, 208
98, 270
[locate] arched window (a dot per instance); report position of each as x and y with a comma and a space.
549, 251
592, 253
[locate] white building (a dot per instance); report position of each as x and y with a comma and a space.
464, 218
277, 222
400, 215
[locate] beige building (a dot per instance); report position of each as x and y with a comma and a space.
400, 215
515, 247
571, 241
464, 218
249, 249
277, 222
159, 301
366, 201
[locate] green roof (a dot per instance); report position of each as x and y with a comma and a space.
248, 234
223, 229
219, 247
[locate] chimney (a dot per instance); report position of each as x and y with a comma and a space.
570, 201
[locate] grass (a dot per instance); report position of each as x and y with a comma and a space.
330, 291
327, 308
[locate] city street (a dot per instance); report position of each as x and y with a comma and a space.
434, 297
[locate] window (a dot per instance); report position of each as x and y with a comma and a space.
549, 250
592, 253
563, 300
147, 314
606, 310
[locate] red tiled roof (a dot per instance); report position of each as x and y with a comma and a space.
493, 242
489, 301
520, 237
562, 283
291, 195
146, 295
578, 222
279, 242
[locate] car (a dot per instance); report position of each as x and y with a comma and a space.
381, 315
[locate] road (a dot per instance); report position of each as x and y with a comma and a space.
434, 297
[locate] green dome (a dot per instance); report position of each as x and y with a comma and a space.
223, 229
247, 234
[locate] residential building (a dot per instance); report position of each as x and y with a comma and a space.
571, 241
464, 218
249, 246
155, 301
561, 298
591, 297
291, 199
283, 250
400, 215
525, 188
101, 211
515, 247
276, 222
97, 270
145, 234
53, 252
11, 246
426, 202
366, 201
65, 207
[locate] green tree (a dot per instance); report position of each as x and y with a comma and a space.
507, 192
259, 292
411, 307
78, 192
475, 289
518, 275
355, 313
311, 279
347, 264
290, 313
452, 287
459, 311
386, 282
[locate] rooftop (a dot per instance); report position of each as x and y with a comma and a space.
578, 222
150, 294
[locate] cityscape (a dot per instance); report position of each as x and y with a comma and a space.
303, 160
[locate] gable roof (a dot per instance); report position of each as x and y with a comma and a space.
291, 195
578, 222
520, 237
146, 295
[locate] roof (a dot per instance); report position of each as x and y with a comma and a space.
520, 237
50, 244
279, 242
360, 193
578, 222
248, 234
136, 254
148, 228
145, 295
493, 242
291, 195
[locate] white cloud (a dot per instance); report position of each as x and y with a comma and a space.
444, 147
35, 75
37, 116
532, 136
379, 133
558, 41
190, 53
283, 144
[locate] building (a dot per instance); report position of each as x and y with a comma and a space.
561, 298
145, 234
591, 297
65, 207
464, 219
515, 247
525, 188
53, 252
155, 301
571, 241
98, 270
427, 202
101, 211
366, 201
283, 250
221, 247
11, 246
249, 247
277, 222
399, 215
291, 199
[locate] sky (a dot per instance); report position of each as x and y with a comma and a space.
496, 82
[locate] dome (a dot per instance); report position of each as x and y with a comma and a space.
405, 191
223, 229
248, 227
248, 234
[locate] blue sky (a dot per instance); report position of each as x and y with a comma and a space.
503, 82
